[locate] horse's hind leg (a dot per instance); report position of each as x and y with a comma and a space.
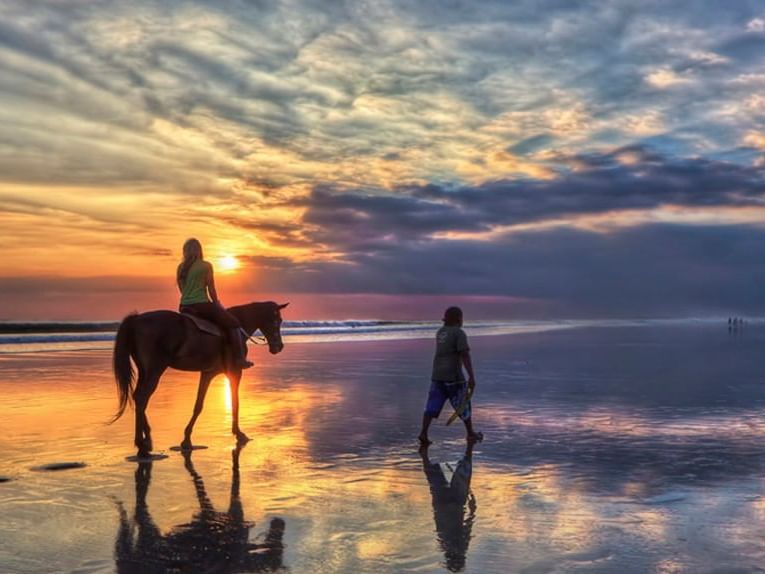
204, 384
145, 387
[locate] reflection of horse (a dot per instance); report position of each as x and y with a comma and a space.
161, 339
449, 497
212, 542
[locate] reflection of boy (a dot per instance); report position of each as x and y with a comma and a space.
449, 497
447, 380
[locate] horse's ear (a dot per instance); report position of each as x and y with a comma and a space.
283, 306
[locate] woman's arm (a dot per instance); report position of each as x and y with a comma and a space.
211, 284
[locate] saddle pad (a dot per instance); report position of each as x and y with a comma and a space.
204, 325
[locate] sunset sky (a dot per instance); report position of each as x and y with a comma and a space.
383, 159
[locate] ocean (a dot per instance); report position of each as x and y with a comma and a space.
46, 336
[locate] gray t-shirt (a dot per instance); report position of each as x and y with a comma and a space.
450, 342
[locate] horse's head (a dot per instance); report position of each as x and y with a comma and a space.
270, 325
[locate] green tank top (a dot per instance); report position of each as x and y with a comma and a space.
194, 289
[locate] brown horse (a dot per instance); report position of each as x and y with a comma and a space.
160, 339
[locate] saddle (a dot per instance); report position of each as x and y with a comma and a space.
204, 325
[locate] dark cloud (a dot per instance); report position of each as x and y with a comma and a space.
747, 48
652, 270
389, 246
634, 178
531, 144
644, 271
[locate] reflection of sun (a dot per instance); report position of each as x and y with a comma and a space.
229, 263
227, 394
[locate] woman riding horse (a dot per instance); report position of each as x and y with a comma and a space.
158, 340
199, 297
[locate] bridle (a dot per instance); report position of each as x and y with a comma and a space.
255, 340
261, 340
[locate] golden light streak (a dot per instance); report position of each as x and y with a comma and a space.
620, 219
227, 404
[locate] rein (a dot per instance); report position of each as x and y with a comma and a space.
258, 341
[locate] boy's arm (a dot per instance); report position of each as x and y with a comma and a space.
465, 357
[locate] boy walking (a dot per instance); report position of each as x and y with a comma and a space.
448, 380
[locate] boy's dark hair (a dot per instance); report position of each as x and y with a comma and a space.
452, 316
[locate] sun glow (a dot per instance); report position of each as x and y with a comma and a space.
228, 263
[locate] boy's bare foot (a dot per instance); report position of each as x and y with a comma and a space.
424, 440
475, 437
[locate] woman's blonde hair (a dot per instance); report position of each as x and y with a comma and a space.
192, 251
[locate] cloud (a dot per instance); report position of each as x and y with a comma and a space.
755, 140
659, 269
756, 25
330, 139
627, 179
434, 90
506, 238
665, 78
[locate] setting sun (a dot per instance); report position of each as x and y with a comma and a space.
229, 263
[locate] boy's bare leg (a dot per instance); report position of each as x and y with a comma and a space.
423, 438
472, 435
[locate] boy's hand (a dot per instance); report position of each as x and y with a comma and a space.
471, 383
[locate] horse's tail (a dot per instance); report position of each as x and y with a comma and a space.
123, 369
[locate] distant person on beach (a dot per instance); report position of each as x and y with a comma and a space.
448, 380
199, 297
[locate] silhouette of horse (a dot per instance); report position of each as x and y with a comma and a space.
212, 542
160, 339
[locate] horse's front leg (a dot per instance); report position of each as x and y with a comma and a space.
204, 383
234, 378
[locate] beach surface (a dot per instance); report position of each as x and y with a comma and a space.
617, 449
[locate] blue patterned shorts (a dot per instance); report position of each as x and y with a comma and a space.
438, 394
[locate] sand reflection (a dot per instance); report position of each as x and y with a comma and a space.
212, 541
581, 471
454, 506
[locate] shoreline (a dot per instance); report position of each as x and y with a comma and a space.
355, 332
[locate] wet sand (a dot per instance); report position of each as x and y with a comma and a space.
607, 450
